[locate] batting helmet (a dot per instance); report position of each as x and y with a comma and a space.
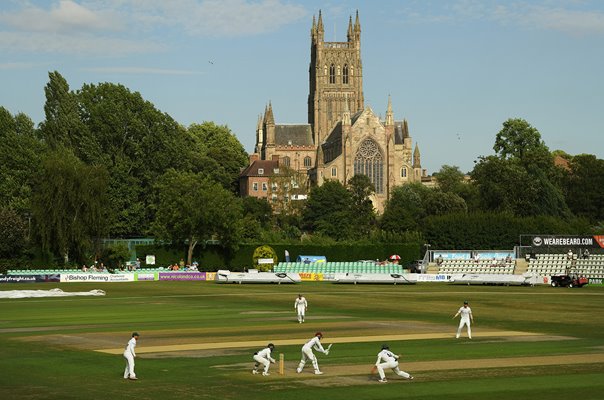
270, 345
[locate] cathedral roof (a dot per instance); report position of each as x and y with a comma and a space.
293, 135
399, 132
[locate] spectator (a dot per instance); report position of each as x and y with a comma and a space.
439, 260
586, 253
569, 255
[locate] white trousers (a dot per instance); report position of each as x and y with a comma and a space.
129, 371
463, 322
307, 354
260, 360
301, 311
394, 366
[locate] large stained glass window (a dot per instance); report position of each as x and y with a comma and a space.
369, 162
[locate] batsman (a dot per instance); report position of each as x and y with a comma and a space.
307, 354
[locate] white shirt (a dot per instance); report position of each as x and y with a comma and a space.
266, 353
314, 343
387, 356
130, 347
300, 302
465, 312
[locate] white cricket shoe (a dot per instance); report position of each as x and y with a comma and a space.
298, 370
383, 381
265, 374
254, 372
317, 372
411, 378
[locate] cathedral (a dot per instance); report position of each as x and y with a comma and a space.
343, 136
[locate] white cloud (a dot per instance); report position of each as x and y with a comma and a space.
19, 65
141, 71
116, 27
83, 44
568, 16
575, 22
66, 16
212, 17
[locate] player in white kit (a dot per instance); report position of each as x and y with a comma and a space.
466, 317
264, 357
387, 359
129, 355
307, 354
300, 305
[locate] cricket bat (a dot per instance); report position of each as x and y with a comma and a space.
328, 348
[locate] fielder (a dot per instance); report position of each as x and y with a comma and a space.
264, 357
466, 316
129, 355
390, 361
307, 354
300, 305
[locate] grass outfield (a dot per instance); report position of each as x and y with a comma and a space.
197, 341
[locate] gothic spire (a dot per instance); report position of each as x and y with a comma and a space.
357, 23
320, 23
405, 129
268, 116
313, 30
346, 115
416, 157
350, 33
389, 114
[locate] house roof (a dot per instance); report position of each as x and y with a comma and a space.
267, 165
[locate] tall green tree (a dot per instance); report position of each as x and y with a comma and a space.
108, 125
14, 232
62, 126
193, 209
68, 205
20, 158
405, 209
218, 153
584, 187
363, 214
521, 179
521, 141
328, 211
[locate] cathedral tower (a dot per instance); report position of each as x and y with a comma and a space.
336, 78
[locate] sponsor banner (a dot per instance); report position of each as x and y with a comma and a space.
432, 278
309, 276
567, 241
97, 278
29, 278
596, 281
449, 255
182, 276
142, 276
210, 276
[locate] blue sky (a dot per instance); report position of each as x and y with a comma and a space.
456, 70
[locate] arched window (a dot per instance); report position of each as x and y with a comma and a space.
345, 74
286, 161
404, 172
332, 73
369, 162
307, 161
